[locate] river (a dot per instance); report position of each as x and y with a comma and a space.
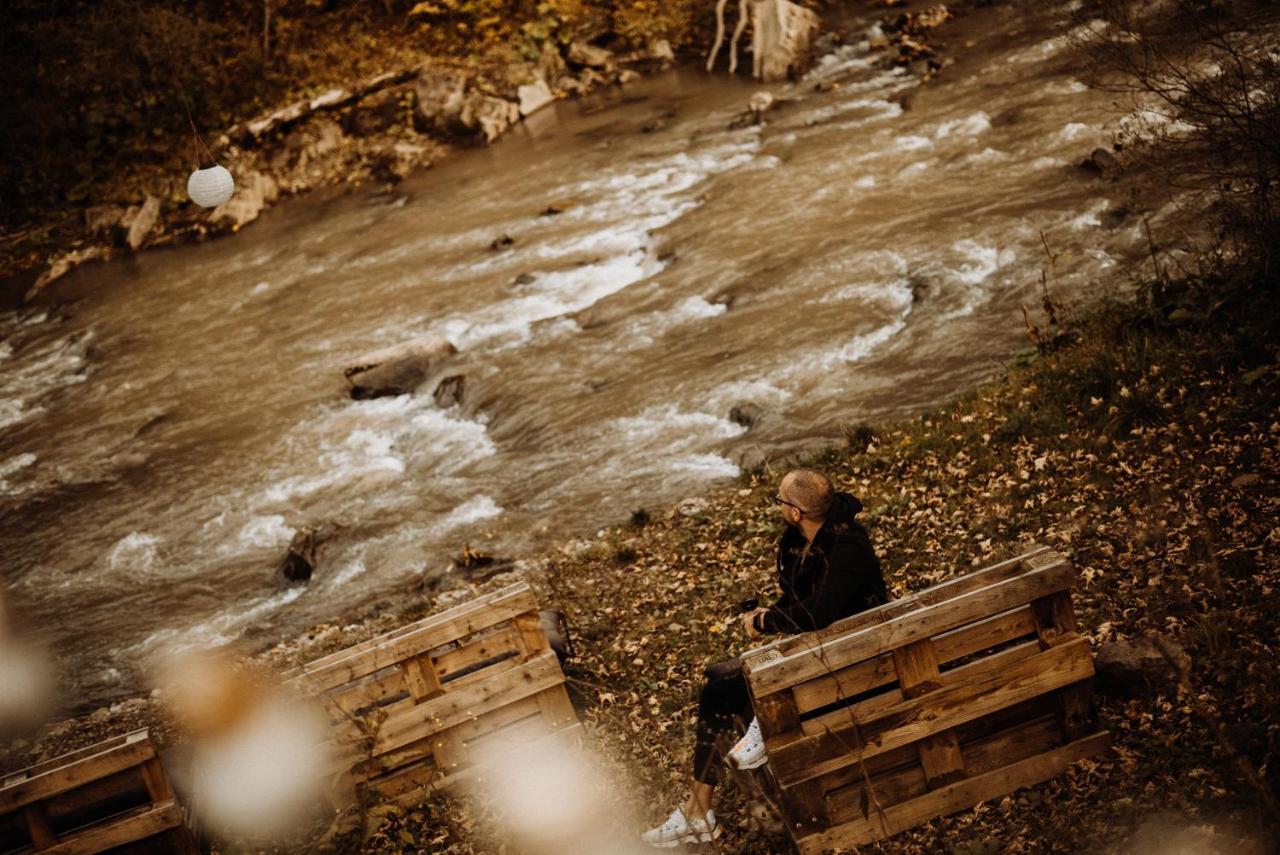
164, 434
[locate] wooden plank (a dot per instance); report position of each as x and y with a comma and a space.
499, 643
904, 783
454, 707
918, 674
803, 806
426, 635
949, 589
532, 638
412, 784
420, 677
1055, 620
556, 708
138, 827
879, 671
968, 693
1037, 736
419, 777
156, 781
878, 705
90, 767
1056, 624
1037, 557
837, 724
981, 635
38, 827
889, 788
874, 768
72, 756
798, 667
389, 686
75, 807
954, 797
445, 617
346, 730
845, 683
553, 703
449, 752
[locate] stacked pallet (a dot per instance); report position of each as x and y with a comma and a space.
113, 795
413, 709
927, 705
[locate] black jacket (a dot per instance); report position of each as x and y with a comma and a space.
840, 575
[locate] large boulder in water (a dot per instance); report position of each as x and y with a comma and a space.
300, 561
396, 370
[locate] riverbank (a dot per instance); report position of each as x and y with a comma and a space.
1146, 451
1144, 448
355, 110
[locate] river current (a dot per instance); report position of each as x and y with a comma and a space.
862, 254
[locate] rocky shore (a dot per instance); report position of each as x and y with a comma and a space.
377, 130
372, 131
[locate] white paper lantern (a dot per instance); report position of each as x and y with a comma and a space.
210, 187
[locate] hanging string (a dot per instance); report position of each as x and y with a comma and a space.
197, 141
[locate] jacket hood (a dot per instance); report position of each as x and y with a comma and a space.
844, 507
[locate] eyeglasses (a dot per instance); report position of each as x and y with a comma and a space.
778, 500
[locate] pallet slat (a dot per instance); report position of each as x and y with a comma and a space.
805, 664
926, 705
95, 799
453, 708
955, 797
18, 792
158, 819
387, 651
953, 704
410, 709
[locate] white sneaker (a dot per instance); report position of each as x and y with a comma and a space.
678, 829
749, 751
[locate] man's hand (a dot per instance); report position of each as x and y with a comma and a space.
748, 622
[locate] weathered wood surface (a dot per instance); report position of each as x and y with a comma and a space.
97, 798
956, 702
958, 796
414, 709
923, 621
926, 705
385, 651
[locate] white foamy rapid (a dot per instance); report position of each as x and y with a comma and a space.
618, 212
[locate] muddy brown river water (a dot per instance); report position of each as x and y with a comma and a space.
162, 437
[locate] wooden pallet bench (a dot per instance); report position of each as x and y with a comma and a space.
926, 705
412, 709
110, 796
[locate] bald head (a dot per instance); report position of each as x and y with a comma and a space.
808, 490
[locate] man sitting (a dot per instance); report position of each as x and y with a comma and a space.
827, 570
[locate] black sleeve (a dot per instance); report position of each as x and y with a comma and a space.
852, 583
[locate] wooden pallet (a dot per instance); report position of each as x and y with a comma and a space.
112, 795
413, 708
926, 705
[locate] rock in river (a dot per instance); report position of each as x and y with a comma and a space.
396, 370
300, 561
745, 414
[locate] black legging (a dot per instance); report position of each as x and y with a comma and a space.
723, 703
